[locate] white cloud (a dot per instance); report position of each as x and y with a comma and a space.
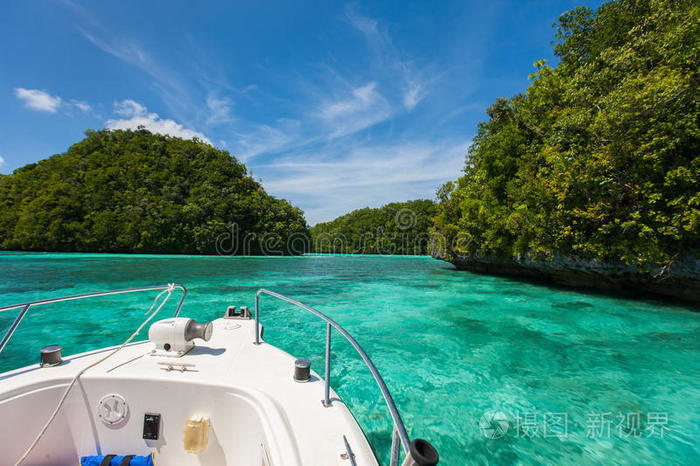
129, 108
42, 101
38, 100
136, 115
2, 161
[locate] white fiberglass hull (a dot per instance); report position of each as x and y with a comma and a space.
258, 414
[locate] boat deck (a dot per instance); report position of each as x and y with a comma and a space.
258, 414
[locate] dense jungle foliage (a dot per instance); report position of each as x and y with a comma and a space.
600, 158
396, 228
134, 191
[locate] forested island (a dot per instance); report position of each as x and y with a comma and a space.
138, 192
396, 228
592, 176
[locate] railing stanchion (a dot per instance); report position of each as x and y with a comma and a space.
257, 331
327, 400
395, 444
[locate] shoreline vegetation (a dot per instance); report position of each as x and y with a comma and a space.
590, 178
397, 228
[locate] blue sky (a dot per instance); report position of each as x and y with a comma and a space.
334, 106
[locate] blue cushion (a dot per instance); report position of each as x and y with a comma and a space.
135, 461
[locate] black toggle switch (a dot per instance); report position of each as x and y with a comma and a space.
151, 426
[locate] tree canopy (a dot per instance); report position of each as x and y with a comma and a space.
396, 228
600, 158
134, 191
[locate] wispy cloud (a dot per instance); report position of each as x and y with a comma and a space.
38, 100
266, 139
134, 54
136, 115
412, 83
362, 98
332, 183
413, 96
2, 162
81, 105
364, 107
219, 109
348, 111
362, 166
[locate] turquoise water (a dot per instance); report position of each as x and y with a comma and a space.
621, 377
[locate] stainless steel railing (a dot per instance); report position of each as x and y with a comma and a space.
25, 306
399, 431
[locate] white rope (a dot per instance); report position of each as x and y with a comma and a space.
169, 290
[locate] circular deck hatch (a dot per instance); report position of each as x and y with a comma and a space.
112, 409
